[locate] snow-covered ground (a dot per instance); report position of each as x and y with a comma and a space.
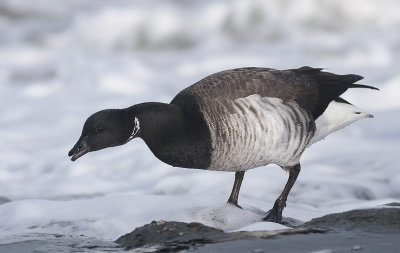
61, 61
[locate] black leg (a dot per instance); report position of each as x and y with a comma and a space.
275, 214
233, 199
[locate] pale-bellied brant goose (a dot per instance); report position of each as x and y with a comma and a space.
234, 120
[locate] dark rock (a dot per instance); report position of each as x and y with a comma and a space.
172, 236
368, 220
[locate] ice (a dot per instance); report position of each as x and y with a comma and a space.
61, 61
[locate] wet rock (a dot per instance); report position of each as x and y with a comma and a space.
367, 230
368, 220
172, 235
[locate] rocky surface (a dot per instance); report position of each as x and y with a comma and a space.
174, 236
365, 230
360, 225
380, 220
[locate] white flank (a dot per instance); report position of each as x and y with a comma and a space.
257, 131
335, 117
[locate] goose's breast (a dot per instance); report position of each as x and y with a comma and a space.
254, 131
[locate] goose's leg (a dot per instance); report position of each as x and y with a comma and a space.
233, 199
275, 214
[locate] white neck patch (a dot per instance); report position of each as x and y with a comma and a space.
135, 130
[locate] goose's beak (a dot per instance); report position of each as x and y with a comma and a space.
80, 148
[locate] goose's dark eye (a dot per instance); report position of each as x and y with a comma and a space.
100, 129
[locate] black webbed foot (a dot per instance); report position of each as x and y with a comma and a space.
275, 214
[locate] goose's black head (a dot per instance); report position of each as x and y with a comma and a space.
107, 128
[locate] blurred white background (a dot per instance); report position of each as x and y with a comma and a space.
61, 61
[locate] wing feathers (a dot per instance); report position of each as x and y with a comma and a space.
312, 88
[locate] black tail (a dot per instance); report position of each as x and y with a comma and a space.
356, 85
330, 86
350, 80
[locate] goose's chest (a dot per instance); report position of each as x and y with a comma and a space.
255, 131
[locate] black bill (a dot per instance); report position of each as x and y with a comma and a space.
80, 148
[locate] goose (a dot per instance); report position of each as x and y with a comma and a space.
234, 120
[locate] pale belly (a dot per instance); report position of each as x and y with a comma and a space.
254, 131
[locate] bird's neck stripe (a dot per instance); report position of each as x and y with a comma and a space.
135, 130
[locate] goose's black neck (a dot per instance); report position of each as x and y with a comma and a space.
157, 118
175, 136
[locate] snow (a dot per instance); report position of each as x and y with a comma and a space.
61, 61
